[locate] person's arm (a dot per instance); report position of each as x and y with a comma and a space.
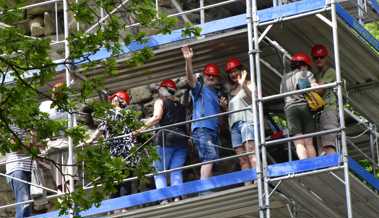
246, 85
157, 115
94, 136
223, 102
188, 54
312, 79
329, 77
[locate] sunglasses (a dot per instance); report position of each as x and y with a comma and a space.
318, 58
210, 75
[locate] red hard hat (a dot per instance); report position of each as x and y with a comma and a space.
302, 57
211, 69
231, 64
319, 50
123, 95
168, 83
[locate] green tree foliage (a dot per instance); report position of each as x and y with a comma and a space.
373, 28
368, 166
27, 62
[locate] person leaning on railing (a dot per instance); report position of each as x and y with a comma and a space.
119, 147
171, 142
299, 117
111, 128
328, 118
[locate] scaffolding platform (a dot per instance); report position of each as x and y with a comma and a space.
309, 186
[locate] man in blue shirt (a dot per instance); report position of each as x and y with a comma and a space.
205, 103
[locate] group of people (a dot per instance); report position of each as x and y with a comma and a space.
206, 101
300, 118
171, 142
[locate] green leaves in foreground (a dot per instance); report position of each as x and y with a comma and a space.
28, 73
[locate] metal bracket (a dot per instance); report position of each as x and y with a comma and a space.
265, 207
337, 177
264, 33
274, 189
254, 51
325, 19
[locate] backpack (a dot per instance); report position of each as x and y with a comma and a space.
315, 102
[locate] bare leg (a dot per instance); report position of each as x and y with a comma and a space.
206, 171
311, 151
328, 150
244, 161
250, 146
301, 151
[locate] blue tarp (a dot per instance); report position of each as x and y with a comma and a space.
375, 5
166, 193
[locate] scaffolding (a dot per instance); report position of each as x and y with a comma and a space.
266, 183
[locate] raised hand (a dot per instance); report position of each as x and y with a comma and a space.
187, 52
242, 78
223, 102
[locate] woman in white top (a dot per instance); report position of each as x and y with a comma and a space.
240, 123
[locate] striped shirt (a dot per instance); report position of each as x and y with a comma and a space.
17, 160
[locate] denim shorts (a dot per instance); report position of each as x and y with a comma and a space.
206, 141
241, 132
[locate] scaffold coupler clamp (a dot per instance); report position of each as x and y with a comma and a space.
264, 207
255, 18
254, 51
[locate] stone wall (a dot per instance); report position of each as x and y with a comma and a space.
40, 21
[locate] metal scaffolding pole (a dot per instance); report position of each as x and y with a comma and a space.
261, 127
340, 108
202, 12
70, 116
360, 9
372, 148
252, 65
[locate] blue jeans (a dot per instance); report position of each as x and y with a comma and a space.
206, 141
22, 192
169, 158
241, 132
